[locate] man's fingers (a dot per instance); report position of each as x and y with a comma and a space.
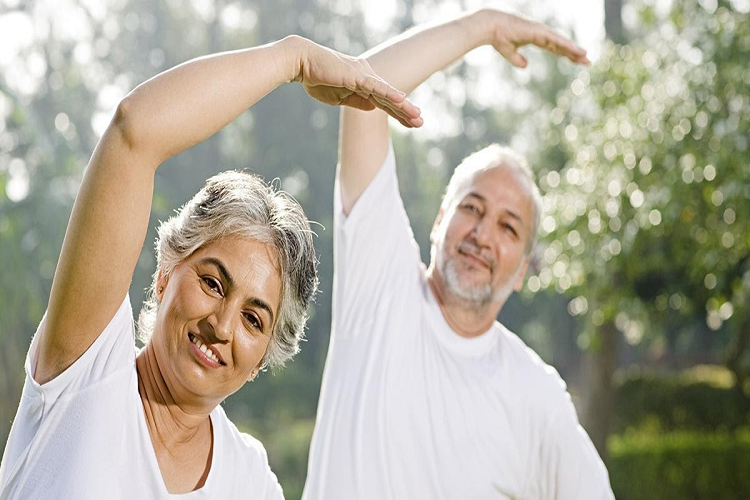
511, 54
517, 59
561, 46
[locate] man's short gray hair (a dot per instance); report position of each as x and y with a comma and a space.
496, 156
239, 204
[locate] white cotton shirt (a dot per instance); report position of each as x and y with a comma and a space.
83, 435
411, 410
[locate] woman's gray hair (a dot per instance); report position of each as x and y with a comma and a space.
239, 204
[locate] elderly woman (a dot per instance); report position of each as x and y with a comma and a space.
235, 273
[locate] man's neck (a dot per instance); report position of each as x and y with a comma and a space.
468, 319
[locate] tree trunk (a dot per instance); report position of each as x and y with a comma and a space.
735, 353
601, 360
599, 404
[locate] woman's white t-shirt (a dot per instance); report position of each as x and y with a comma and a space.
83, 434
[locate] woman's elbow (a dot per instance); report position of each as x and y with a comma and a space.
125, 123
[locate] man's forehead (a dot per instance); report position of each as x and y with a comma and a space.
500, 182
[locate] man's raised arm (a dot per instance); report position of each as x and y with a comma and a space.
408, 60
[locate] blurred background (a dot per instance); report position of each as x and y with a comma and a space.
638, 293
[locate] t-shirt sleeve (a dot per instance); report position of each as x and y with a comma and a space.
271, 489
263, 482
375, 253
571, 466
112, 351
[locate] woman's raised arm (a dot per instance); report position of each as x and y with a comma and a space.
160, 118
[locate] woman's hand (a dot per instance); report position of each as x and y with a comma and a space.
338, 79
508, 32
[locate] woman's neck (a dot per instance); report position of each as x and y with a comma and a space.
182, 439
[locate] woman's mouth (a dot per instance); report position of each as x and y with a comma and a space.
204, 352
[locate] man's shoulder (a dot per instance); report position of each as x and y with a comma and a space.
541, 381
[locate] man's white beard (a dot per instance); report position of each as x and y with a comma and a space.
479, 294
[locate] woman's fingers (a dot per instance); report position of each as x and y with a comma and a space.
379, 93
358, 102
335, 78
405, 112
376, 86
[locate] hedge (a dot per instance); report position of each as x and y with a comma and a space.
679, 402
681, 465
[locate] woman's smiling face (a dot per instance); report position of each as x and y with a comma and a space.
217, 311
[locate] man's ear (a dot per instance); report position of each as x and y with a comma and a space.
522, 275
433, 231
161, 285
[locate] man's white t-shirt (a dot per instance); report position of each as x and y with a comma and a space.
411, 410
83, 435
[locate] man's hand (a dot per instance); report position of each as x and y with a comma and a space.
338, 79
508, 32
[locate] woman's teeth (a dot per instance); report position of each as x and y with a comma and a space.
205, 350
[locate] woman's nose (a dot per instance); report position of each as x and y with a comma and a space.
221, 323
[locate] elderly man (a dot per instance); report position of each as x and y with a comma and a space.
425, 395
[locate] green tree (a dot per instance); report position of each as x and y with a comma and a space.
644, 229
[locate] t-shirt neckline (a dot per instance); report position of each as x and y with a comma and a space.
465, 346
216, 432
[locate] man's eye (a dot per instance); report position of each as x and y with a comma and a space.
471, 208
510, 228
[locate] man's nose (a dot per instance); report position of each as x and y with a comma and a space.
482, 231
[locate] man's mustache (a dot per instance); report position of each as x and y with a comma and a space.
471, 247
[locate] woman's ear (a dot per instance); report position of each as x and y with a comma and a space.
161, 285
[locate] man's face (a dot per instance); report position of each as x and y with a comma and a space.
480, 237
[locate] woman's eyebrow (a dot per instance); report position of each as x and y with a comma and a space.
221, 267
213, 261
261, 304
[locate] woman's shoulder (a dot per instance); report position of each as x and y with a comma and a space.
246, 454
234, 442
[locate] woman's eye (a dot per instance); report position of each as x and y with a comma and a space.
212, 284
471, 208
254, 321
510, 228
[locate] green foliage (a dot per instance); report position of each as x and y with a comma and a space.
287, 442
683, 435
681, 466
665, 403
643, 223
